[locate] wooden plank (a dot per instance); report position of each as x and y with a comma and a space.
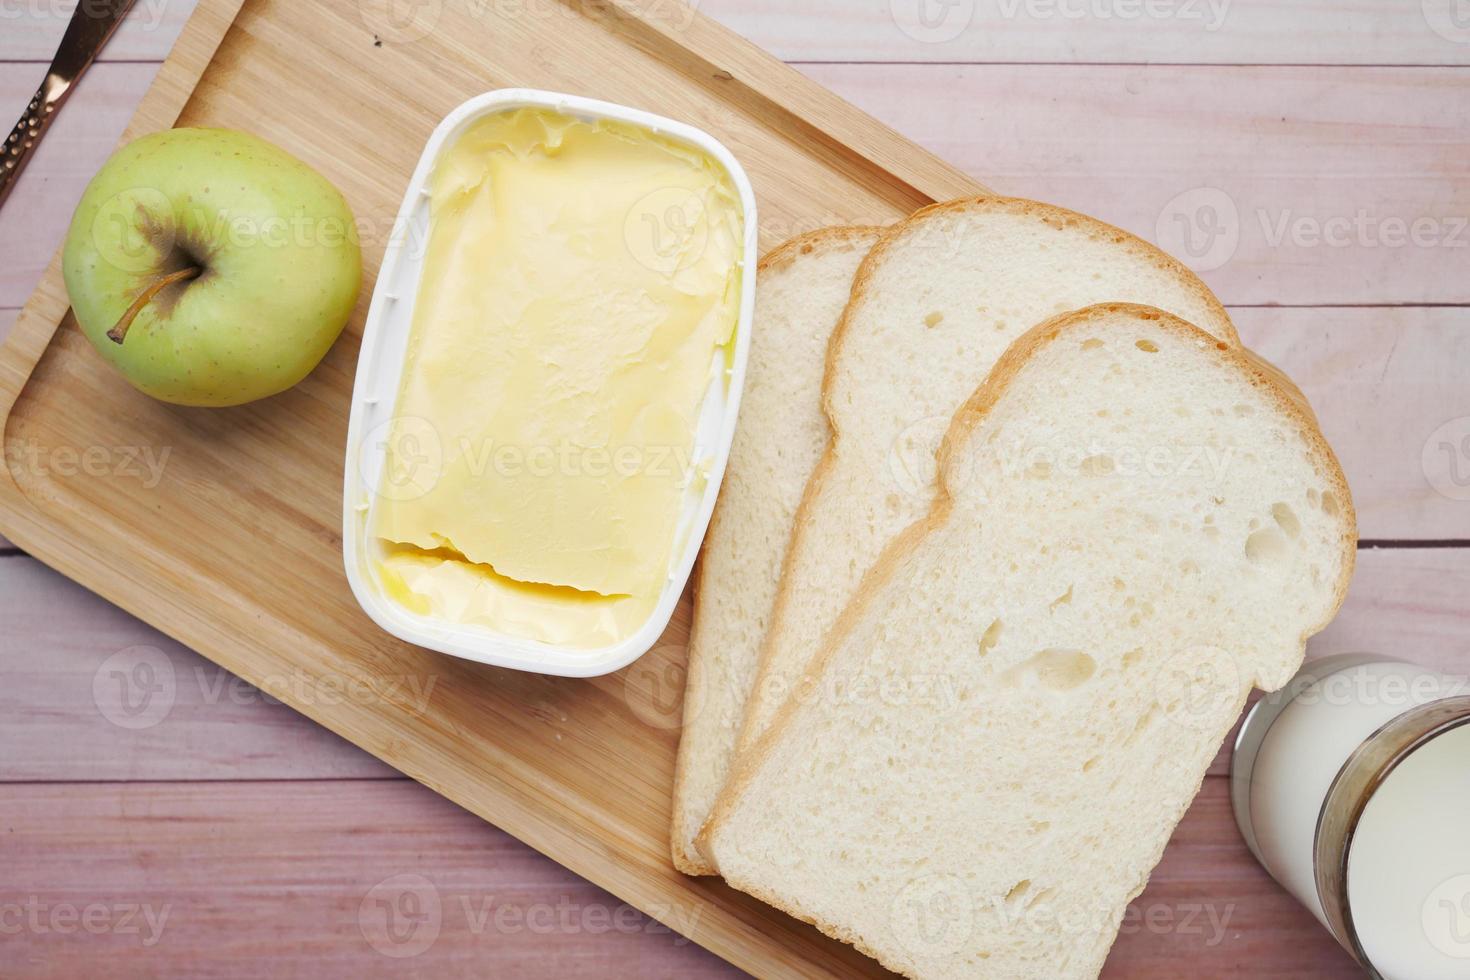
32, 30
91, 693
1385, 383
189, 857
7, 320
1295, 186
1211, 906
38, 211
300, 880
1207, 898
1402, 362
1298, 155
1318, 32
1404, 603
1325, 32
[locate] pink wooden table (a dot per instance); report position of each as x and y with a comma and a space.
1312, 158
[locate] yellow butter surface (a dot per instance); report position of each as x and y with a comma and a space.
579, 289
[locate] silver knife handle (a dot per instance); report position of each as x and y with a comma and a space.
27, 133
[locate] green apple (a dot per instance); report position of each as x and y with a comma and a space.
210, 267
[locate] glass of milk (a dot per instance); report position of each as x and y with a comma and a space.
1351, 786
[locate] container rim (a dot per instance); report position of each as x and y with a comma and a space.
480, 644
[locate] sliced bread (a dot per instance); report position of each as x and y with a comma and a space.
935, 303
802, 288
1136, 523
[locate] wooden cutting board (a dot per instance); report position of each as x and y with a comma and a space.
236, 550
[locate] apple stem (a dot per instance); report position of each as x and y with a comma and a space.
120, 331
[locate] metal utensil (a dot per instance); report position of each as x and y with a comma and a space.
92, 23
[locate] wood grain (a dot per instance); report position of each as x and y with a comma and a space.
236, 552
1307, 32
1406, 603
1313, 32
1383, 382
1401, 362
268, 880
190, 857
1308, 180
1210, 911
34, 219
1402, 367
33, 30
1405, 599
98, 695
1298, 155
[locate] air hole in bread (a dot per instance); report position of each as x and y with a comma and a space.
1063, 599
1313, 496
1039, 898
1131, 659
933, 320
1286, 518
1147, 346
1099, 465
1018, 890
1091, 343
1144, 723
1267, 547
1091, 764
1244, 411
990, 637
999, 325
1054, 670
1329, 503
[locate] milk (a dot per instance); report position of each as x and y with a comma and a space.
1408, 880
1409, 865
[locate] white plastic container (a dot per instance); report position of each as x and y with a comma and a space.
380, 367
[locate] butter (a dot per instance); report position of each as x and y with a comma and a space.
578, 296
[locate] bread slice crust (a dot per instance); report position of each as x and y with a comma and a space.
1258, 373
688, 813
759, 705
